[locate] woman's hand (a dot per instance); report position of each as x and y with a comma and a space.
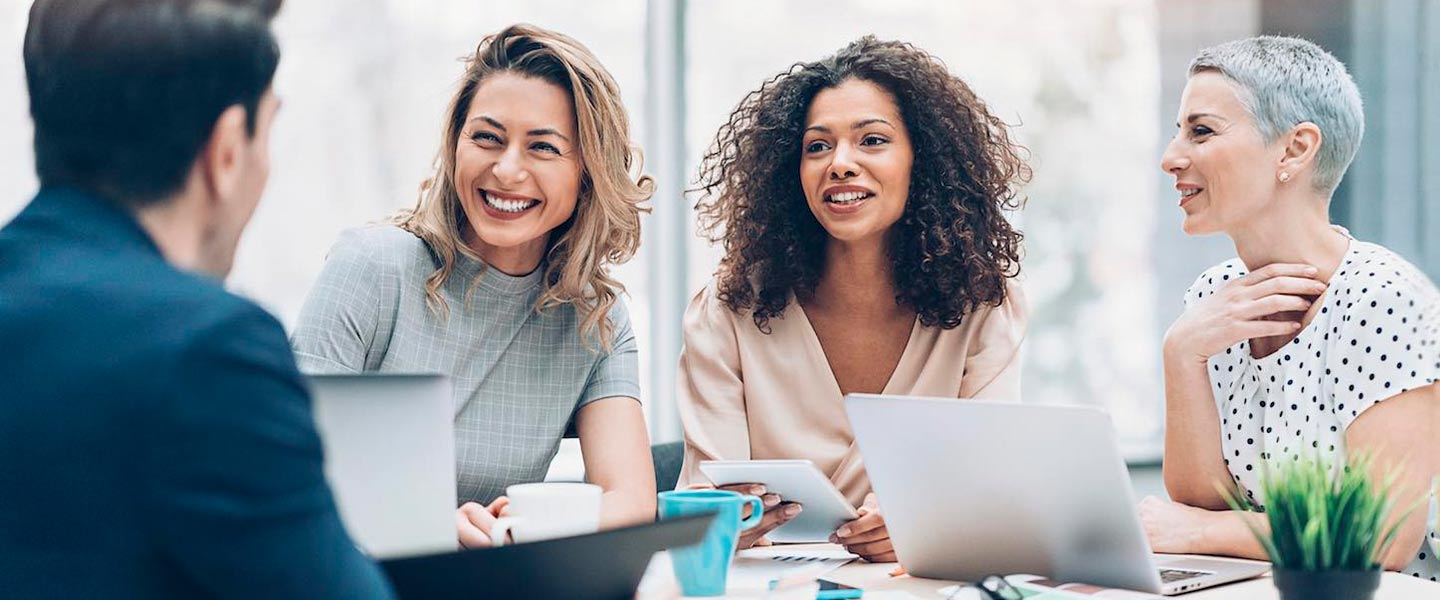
1174, 528
1270, 302
777, 512
867, 536
473, 522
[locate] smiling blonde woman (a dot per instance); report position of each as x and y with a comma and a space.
499, 279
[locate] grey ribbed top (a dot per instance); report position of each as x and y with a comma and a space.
519, 374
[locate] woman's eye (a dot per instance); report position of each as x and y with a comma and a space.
545, 147
873, 140
485, 136
1201, 130
816, 146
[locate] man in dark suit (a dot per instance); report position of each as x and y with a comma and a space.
155, 437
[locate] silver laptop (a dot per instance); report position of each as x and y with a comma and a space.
973, 488
390, 459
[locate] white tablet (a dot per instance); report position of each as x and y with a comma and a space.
795, 481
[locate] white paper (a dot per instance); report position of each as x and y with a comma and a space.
756, 568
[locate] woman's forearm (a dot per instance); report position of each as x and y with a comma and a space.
1193, 464
619, 508
616, 450
1227, 534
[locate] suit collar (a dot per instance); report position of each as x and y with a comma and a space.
73, 213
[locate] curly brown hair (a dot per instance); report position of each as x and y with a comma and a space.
952, 250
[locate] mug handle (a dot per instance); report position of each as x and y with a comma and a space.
500, 531
757, 512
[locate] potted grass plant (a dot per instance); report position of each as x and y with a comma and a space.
1329, 527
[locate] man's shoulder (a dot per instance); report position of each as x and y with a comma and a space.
139, 306
185, 304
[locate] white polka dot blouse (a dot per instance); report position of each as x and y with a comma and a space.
1377, 335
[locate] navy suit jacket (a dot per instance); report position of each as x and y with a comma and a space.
155, 436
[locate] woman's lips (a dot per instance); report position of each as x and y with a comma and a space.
503, 207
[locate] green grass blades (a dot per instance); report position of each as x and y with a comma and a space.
1324, 518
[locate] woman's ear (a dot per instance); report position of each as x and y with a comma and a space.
1301, 146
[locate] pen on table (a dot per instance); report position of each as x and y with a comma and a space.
839, 594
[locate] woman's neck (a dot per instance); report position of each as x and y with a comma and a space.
515, 261
1300, 235
857, 277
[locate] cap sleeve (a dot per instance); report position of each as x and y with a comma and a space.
617, 372
1386, 345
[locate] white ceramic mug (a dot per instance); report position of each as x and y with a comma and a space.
543, 511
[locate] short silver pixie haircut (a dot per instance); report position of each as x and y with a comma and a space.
1285, 81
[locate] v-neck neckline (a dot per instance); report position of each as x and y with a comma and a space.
814, 341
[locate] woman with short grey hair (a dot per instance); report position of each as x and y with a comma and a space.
1310, 342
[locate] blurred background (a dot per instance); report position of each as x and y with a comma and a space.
1091, 86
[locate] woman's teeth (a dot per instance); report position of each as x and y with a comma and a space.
505, 205
848, 197
1189, 193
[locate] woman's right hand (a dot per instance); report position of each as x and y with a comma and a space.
1250, 307
473, 522
777, 512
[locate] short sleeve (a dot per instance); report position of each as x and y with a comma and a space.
710, 391
616, 373
1212, 279
342, 313
1386, 345
992, 368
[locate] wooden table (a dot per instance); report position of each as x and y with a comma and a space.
660, 583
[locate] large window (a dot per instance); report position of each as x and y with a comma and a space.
1091, 89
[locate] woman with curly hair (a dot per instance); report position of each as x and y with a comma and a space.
860, 201
499, 279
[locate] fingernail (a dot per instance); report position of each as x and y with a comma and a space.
770, 500
1311, 270
792, 510
757, 490
843, 532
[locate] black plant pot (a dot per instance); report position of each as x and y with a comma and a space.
1295, 584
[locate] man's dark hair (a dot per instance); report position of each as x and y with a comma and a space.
125, 93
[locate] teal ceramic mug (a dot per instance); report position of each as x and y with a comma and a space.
701, 569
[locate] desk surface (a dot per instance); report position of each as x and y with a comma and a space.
660, 583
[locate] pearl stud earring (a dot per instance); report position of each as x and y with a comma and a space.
1284, 177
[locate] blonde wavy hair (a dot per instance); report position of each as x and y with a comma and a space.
605, 228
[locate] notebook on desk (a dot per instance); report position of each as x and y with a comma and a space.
603, 565
972, 488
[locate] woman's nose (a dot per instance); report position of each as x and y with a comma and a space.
842, 164
509, 169
1174, 159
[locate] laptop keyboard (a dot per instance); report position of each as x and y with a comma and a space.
1173, 575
